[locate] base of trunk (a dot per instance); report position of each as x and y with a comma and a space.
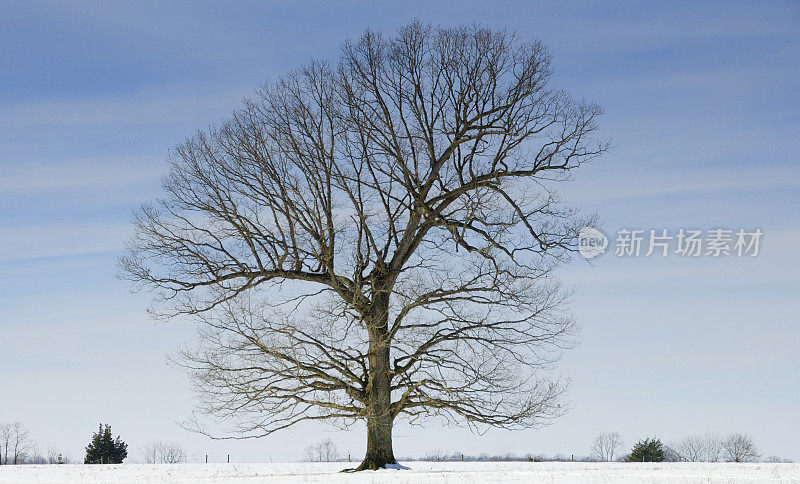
373, 464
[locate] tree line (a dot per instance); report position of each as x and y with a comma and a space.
710, 447
606, 447
17, 447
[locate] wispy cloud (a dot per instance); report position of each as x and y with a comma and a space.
598, 186
170, 104
80, 173
40, 241
689, 26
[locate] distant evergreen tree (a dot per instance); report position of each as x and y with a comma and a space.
104, 449
647, 450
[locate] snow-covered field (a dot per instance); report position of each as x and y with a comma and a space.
420, 472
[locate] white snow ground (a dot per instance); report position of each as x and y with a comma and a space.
420, 472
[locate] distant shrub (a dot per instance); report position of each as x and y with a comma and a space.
104, 449
647, 450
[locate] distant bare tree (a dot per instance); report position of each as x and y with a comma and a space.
15, 444
377, 238
606, 446
670, 454
699, 448
324, 451
160, 452
5, 442
23, 444
774, 459
54, 456
740, 448
713, 447
435, 455
33, 457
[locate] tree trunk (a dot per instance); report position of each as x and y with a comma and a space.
379, 443
379, 412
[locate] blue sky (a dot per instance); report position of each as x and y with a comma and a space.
701, 103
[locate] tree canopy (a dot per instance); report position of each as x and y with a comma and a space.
376, 237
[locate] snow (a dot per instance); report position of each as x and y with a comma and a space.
420, 472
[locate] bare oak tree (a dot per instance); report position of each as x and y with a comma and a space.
606, 446
376, 238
